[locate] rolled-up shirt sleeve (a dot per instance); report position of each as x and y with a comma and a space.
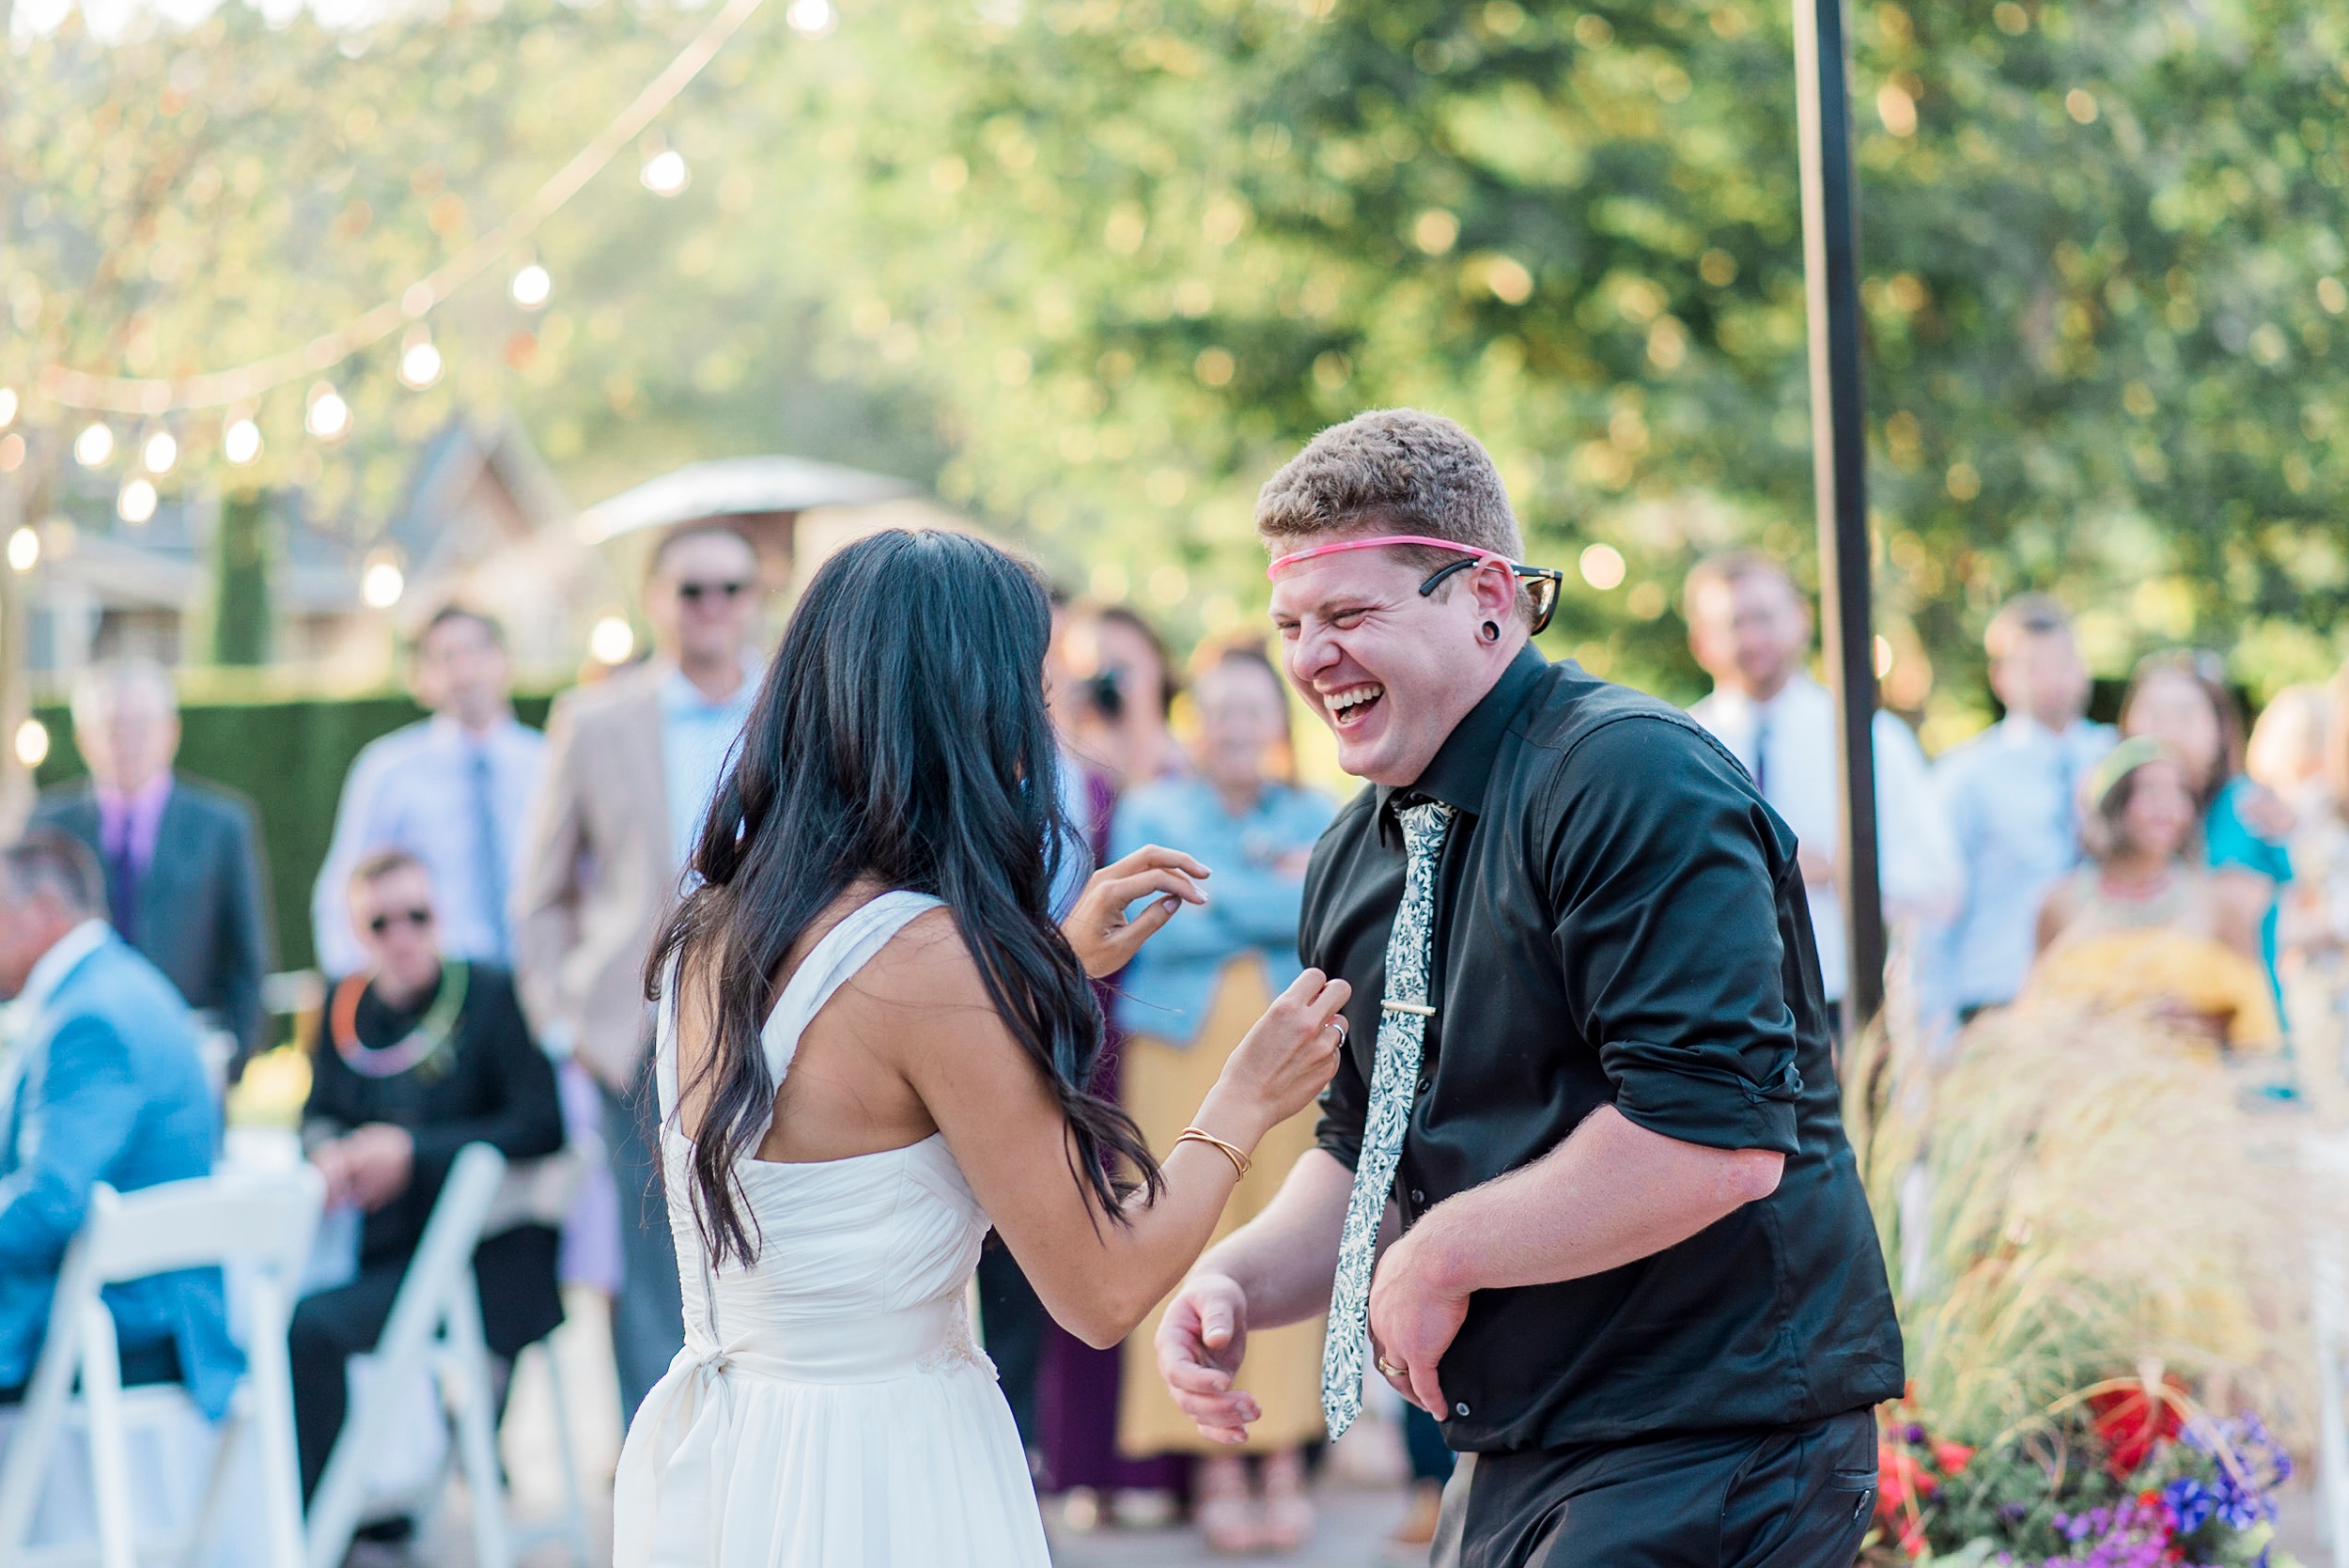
1662, 869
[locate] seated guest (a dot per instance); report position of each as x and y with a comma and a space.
103, 1082
417, 1057
2148, 926
182, 860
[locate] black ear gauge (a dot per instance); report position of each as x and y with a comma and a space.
1492, 632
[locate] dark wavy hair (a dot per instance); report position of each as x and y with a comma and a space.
899, 736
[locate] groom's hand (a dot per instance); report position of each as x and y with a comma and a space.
1414, 1317
1200, 1342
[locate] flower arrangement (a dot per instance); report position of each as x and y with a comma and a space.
2125, 1474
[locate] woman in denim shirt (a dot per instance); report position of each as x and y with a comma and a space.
1184, 1004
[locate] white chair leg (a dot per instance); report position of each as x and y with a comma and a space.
574, 1500
225, 1449
109, 1456
268, 1388
475, 1402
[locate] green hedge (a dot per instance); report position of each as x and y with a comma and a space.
289, 757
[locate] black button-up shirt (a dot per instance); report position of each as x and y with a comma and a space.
1619, 921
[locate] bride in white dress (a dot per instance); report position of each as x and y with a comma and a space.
872, 1043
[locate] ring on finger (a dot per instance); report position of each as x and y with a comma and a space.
1390, 1370
1339, 1024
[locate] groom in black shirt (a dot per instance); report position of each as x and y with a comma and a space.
1628, 1263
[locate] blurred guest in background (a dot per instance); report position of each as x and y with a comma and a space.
2312, 919
102, 1082
1124, 690
631, 765
2182, 700
419, 1054
1119, 693
2148, 925
1185, 1002
1750, 628
2011, 795
452, 790
2286, 751
182, 861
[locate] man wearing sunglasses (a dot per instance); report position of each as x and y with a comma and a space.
631, 764
418, 1055
1587, 1099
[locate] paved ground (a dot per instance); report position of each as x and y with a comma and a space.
1359, 1498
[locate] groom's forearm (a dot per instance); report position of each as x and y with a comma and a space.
1610, 1194
1284, 1259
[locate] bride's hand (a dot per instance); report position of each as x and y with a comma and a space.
1098, 928
1287, 1058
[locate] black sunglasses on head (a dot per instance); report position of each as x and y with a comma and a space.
1541, 585
693, 592
390, 918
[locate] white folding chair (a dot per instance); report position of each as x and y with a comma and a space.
434, 1331
542, 1192
256, 1226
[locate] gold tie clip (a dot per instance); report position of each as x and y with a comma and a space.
1420, 1009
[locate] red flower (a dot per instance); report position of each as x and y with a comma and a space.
1951, 1457
2131, 1420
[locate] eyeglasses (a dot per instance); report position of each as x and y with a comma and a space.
1541, 583
389, 918
693, 592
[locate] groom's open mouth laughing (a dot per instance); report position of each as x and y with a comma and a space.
1351, 709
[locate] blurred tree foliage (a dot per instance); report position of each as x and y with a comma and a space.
1095, 267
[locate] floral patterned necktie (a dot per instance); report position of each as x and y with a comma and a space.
1403, 1015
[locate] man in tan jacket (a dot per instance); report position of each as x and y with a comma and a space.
631, 765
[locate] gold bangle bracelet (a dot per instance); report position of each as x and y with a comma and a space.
1233, 1152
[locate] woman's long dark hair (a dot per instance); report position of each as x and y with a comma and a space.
900, 735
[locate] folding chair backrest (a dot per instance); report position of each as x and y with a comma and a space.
541, 1191
258, 1223
443, 1263
261, 1220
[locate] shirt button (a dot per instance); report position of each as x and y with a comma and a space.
1426, 1084
1418, 1197
1460, 1409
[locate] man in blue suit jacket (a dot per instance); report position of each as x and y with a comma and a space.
100, 1080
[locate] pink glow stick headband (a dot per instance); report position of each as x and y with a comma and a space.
1378, 541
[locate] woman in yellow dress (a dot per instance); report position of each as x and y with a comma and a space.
1184, 1004
2146, 924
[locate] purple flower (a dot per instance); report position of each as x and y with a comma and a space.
2191, 1505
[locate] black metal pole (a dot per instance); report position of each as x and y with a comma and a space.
1831, 244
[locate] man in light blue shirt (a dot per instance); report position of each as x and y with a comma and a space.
453, 790
2011, 794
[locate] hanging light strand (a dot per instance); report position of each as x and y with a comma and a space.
80, 389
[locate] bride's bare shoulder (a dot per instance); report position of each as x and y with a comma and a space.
926, 964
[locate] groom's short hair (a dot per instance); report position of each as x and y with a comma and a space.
1392, 471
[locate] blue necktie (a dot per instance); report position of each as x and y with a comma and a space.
489, 851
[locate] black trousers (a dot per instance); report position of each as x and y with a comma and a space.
1790, 1497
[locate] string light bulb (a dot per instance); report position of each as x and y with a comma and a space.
812, 18
7, 406
381, 583
612, 640
31, 743
136, 503
419, 361
160, 453
241, 441
532, 286
328, 416
95, 444
665, 173
24, 549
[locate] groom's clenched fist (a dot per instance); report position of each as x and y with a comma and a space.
1200, 1342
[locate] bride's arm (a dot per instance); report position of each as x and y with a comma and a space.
1097, 1276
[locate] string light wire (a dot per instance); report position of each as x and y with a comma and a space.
81, 389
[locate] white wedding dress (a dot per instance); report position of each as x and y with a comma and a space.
830, 1408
